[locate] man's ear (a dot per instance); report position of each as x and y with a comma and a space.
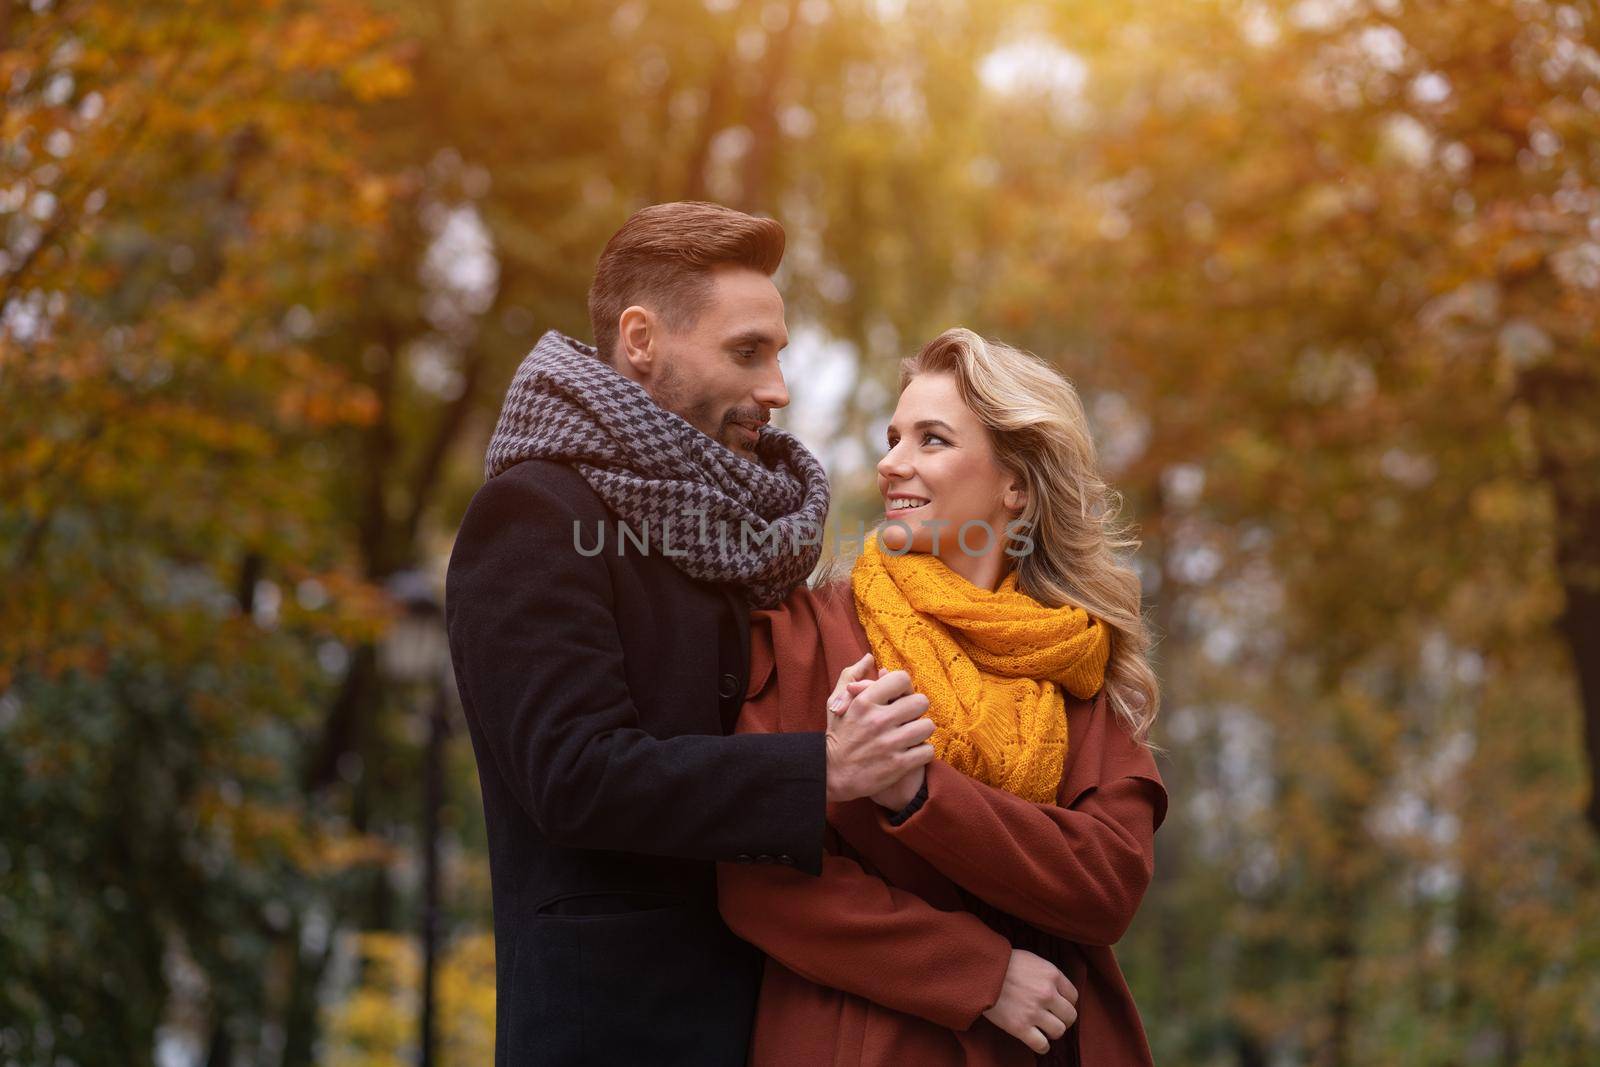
636, 329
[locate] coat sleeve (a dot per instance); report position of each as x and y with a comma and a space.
851, 930
1078, 872
538, 659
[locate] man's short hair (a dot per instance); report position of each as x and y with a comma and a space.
663, 256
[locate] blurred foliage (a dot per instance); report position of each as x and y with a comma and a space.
1325, 272
376, 1025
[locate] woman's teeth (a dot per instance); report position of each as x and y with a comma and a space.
902, 503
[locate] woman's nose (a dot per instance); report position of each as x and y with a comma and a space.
894, 464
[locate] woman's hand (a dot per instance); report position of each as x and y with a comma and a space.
858, 674
1037, 1003
902, 792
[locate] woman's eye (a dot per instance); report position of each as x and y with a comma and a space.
929, 438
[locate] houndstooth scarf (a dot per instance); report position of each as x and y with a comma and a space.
717, 516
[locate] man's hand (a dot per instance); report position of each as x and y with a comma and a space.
899, 793
852, 681
1037, 1003
879, 734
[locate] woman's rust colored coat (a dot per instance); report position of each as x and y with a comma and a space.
894, 953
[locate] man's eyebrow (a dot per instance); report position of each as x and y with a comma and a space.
759, 337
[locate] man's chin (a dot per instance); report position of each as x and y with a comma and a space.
740, 441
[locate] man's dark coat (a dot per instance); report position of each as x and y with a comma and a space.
600, 690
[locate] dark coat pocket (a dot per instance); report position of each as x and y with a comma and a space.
621, 902
660, 985
541, 1013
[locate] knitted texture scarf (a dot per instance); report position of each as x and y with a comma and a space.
992, 664
718, 516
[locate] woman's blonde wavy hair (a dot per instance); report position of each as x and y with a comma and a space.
1081, 551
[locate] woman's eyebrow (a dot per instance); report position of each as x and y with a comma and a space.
935, 424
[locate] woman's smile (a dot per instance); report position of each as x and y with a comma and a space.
903, 503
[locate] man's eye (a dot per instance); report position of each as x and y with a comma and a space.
747, 353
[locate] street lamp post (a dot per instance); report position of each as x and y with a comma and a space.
416, 652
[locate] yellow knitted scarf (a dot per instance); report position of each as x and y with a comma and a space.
992, 664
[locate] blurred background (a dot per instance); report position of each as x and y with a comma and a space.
1327, 274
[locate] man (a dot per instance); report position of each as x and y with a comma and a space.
601, 683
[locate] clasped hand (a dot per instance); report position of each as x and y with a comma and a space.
877, 736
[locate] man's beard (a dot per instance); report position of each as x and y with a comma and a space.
671, 394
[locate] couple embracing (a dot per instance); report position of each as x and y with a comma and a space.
896, 816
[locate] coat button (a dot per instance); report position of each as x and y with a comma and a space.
763, 858
743, 857
786, 859
729, 687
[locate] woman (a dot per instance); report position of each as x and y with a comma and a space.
965, 914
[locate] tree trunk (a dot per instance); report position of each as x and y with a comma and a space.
718, 90
755, 189
1563, 398
1582, 627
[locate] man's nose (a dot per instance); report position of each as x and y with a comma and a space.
772, 392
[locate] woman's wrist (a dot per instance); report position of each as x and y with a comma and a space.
901, 794
898, 818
